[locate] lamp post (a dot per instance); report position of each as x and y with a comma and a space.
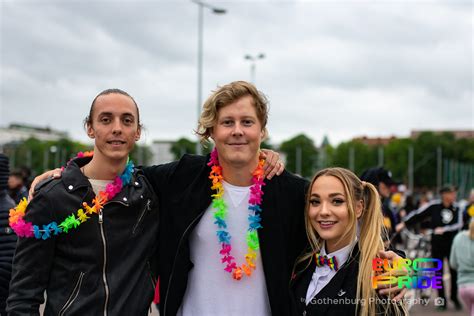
253, 60
201, 6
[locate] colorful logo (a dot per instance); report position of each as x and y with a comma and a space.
419, 273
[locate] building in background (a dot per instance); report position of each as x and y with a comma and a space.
458, 134
374, 141
15, 133
161, 150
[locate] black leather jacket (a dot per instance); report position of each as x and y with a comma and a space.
98, 268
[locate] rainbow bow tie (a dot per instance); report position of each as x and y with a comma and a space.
324, 260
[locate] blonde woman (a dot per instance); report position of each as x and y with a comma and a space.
334, 277
462, 259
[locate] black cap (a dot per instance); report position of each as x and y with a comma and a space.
377, 175
4, 172
448, 188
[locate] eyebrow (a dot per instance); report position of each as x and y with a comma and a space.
110, 113
330, 195
233, 117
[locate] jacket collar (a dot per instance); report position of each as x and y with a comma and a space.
73, 179
339, 285
304, 270
72, 176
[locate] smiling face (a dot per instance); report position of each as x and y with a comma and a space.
238, 133
329, 212
114, 126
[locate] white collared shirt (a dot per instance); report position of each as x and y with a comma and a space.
323, 275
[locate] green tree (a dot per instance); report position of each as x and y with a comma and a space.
183, 146
265, 144
309, 154
43, 155
396, 158
364, 156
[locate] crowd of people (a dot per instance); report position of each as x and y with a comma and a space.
230, 233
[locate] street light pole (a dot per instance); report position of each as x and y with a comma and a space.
214, 10
253, 60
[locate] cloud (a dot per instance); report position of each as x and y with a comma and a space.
364, 67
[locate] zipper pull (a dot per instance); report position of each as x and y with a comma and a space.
148, 205
101, 218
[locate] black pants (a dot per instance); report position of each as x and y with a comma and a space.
440, 249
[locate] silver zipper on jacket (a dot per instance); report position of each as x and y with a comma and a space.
175, 257
147, 208
104, 277
73, 296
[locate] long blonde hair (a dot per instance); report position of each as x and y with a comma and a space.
371, 230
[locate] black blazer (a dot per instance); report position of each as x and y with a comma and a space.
184, 191
342, 287
338, 297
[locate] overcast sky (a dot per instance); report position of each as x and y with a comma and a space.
336, 68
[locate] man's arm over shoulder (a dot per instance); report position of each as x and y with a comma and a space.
294, 189
162, 175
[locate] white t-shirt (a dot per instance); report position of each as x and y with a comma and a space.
99, 185
211, 290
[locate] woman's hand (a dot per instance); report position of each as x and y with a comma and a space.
395, 292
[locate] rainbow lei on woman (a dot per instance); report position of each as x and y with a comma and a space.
27, 229
220, 214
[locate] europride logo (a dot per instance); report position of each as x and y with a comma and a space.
419, 273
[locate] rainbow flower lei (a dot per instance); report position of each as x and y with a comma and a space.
27, 229
220, 214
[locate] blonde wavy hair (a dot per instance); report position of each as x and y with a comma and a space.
226, 95
370, 240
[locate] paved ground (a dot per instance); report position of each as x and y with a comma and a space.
430, 309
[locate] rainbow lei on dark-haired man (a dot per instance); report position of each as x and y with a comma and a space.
220, 214
26, 229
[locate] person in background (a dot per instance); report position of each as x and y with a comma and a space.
462, 260
382, 180
26, 173
445, 221
7, 236
16, 186
468, 213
